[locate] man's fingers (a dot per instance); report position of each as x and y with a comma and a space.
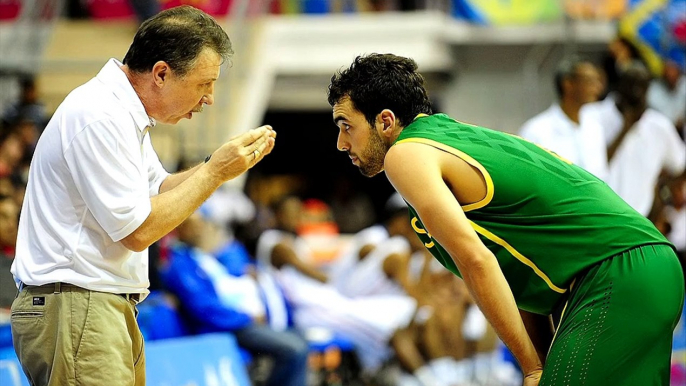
255, 134
257, 144
263, 149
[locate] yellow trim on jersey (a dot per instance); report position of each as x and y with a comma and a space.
487, 234
571, 287
422, 232
489, 181
558, 326
421, 115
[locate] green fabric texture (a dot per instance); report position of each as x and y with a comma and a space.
546, 220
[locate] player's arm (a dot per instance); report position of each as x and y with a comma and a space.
540, 329
417, 171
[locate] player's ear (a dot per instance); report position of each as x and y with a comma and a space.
387, 120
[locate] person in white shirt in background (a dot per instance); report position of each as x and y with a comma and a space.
641, 142
97, 197
377, 264
369, 322
577, 83
668, 95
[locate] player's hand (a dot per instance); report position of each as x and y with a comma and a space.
533, 378
241, 153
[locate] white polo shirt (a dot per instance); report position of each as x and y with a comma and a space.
90, 182
651, 146
582, 144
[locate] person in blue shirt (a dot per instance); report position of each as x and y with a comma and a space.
221, 294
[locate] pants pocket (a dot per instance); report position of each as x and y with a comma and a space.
26, 314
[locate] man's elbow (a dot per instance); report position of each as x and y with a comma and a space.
478, 261
134, 242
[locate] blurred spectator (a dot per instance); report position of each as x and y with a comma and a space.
378, 263
28, 131
352, 209
28, 108
314, 216
229, 207
577, 82
219, 294
11, 152
668, 95
370, 322
6, 187
9, 222
641, 142
289, 250
621, 54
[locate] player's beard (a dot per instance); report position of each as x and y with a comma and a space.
374, 155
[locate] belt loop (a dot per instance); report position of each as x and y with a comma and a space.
21, 286
58, 287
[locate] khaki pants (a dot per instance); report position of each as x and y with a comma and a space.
69, 336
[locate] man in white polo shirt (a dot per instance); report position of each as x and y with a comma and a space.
577, 82
97, 197
641, 142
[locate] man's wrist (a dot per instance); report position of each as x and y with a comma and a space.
532, 365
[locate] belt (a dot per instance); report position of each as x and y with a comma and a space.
135, 297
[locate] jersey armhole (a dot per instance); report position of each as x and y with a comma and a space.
490, 188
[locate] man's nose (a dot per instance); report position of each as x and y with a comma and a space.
341, 144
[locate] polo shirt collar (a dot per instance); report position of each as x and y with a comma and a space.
113, 77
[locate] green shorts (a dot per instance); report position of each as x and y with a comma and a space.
617, 326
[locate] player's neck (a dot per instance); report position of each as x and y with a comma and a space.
395, 134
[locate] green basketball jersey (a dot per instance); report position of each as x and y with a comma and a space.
545, 219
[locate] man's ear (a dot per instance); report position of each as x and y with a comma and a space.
387, 122
160, 73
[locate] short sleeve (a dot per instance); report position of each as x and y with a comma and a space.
156, 172
105, 161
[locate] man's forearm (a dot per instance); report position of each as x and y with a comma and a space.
173, 206
173, 180
492, 294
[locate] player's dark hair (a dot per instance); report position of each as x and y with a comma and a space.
176, 36
382, 81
